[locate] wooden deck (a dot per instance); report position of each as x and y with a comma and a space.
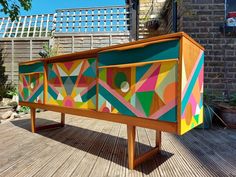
88, 147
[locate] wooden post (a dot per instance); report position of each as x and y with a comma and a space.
158, 139
63, 119
131, 146
32, 114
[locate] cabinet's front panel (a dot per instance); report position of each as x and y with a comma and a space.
72, 84
148, 91
31, 87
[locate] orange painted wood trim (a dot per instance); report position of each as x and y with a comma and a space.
158, 139
179, 88
124, 119
147, 155
33, 123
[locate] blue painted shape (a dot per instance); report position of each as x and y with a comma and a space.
51, 73
90, 72
52, 93
152, 52
141, 70
36, 94
170, 116
114, 102
192, 83
91, 93
36, 67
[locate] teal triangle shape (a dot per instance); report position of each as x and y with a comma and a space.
89, 73
140, 71
51, 74
64, 78
170, 116
73, 79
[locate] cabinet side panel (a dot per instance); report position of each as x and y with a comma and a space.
192, 87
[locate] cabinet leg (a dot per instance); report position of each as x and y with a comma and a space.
131, 146
158, 139
62, 119
32, 114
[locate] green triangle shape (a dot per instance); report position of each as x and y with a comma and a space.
145, 99
91, 60
103, 74
196, 117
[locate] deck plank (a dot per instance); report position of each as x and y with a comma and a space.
89, 147
102, 164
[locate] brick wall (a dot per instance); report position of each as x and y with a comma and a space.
201, 19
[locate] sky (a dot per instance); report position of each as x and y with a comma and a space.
49, 6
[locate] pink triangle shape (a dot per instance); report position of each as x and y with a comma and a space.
68, 65
150, 82
57, 82
25, 84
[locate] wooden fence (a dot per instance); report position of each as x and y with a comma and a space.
71, 30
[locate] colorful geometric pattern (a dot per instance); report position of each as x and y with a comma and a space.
192, 87
31, 87
142, 91
72, 84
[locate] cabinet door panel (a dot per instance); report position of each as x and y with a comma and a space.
72, 84
31, 87
147, 91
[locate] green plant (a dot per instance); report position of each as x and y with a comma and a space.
13, 91
51, 50
24, 109
13, 7
4, 86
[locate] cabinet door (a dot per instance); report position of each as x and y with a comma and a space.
31, 82
147, 91
72, 84
31, 87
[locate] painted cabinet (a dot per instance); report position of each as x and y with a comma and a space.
157, 79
